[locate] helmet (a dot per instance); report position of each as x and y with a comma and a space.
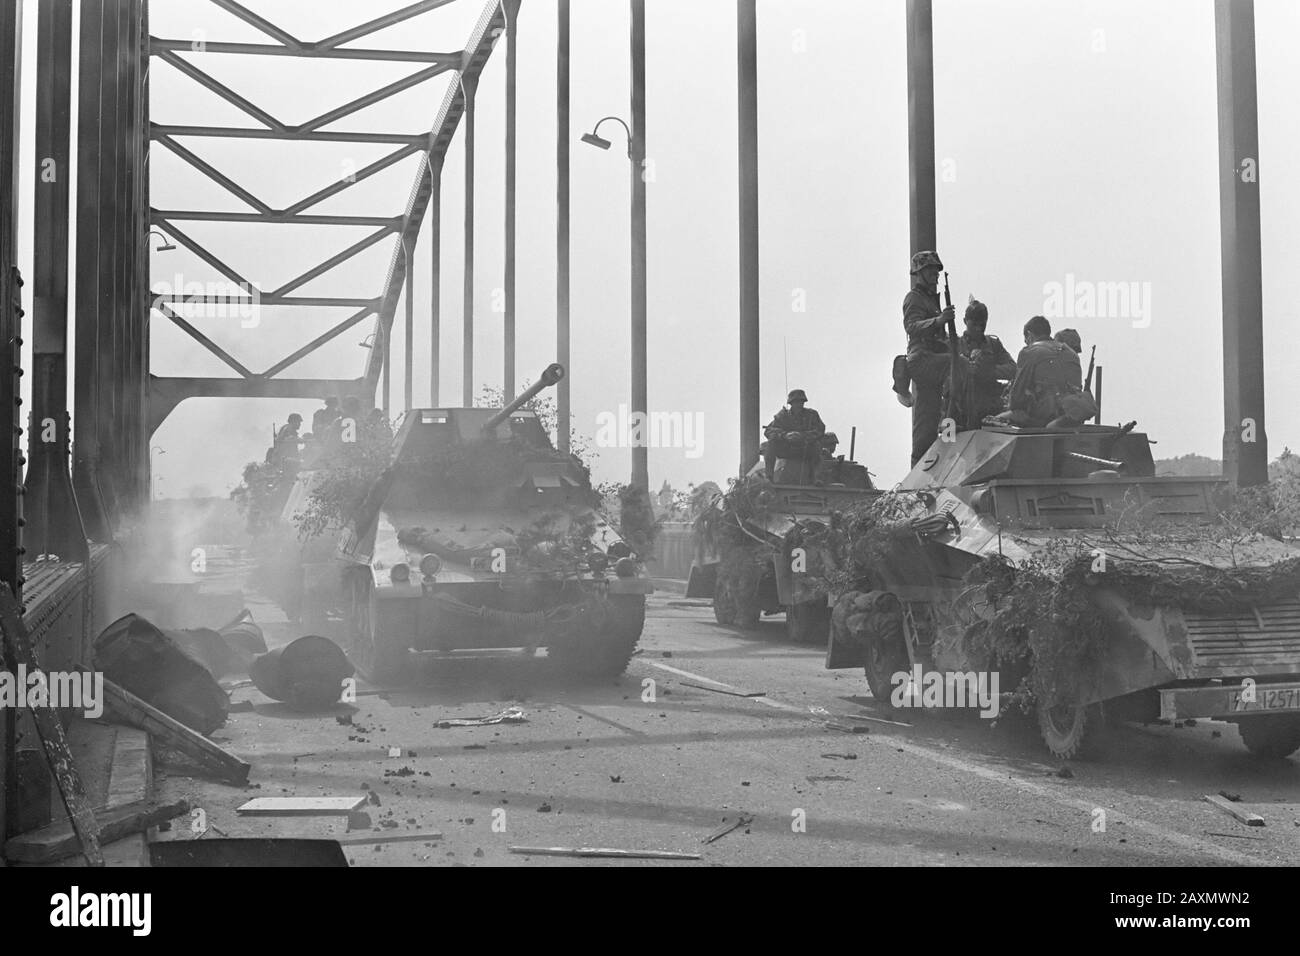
796, 396
977, 311
926, 258
295, 419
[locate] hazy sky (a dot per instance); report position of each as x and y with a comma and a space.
1075, 139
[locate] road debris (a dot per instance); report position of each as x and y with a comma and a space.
1241, 816
301, 806
307, 674
729, 691
362, 840
511, 715
846, 728
124, 707
602, 851
840, 756
728, 825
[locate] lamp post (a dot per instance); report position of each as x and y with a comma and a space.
640, 462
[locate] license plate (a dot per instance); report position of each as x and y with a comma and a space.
1285, 698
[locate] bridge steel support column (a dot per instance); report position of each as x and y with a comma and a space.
467, 287
564, 416
53, 519
747, 127
90, 364
640, 452
920, 125
435, 287
11, 565
1245, 443
512, 19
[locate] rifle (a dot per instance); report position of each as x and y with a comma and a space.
1092, 363
952, 350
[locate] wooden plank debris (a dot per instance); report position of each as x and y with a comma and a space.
742, 820
59, 840
729, 691
123, 706
49, 728
1241, 816
368, 838
301, 806
602, 851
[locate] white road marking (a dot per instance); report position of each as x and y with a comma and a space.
1154, 830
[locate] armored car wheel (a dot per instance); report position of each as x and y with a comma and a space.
1272, 737
1071, 730
606, 652
808, 622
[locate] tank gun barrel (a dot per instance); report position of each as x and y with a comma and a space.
550, 375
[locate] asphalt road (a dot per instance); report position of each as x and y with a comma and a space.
650, 762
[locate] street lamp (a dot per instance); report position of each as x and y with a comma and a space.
595, 139
167, 245
637, 221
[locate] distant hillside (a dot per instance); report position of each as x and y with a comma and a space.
1189, 466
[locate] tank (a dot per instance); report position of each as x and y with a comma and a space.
478, 535
1096, 590
756, 546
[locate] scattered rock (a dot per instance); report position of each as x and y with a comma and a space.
1065, 773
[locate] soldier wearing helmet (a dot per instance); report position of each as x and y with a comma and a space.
795, 432
988, 364
927, 350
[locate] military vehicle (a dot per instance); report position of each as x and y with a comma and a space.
478, 535
754, 555
1195, 619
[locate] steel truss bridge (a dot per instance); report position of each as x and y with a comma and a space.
77, 475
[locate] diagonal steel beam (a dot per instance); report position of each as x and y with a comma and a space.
214, 174
211, 83
478, 49
181, 322
260, 23
379, 23
317, 342
203, 253
365, 172
359, 246
373, 97
306, 52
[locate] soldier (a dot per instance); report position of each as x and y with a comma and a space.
1049, 382
322, 418
927, 349
988, 364
795, 432
1071, 338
